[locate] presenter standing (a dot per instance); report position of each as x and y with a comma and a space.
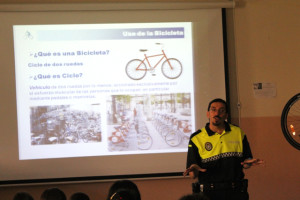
217, 155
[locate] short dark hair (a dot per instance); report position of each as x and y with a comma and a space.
53, 194
22, 196
220, 101
122, 194
127, 185
79, 196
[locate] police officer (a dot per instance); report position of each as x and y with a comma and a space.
217, 155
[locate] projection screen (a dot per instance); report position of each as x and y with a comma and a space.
105, 94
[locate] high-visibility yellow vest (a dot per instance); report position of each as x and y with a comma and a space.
216, 146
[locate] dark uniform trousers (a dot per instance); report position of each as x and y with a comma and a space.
223, 191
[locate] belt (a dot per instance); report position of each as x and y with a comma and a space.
234, 185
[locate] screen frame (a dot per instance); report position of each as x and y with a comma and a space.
135, 176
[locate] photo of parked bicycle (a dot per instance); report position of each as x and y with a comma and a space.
136, 69
149, 121
65, 124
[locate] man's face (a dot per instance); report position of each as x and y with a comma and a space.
217, 114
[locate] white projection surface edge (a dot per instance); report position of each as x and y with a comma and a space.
105, 93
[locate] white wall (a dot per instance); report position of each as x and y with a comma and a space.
267, 50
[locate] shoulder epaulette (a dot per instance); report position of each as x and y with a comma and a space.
195, 133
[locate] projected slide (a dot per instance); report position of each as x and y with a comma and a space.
103, 89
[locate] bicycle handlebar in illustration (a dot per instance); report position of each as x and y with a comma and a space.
136, 69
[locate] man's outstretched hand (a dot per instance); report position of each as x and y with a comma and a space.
193, 171
252, 162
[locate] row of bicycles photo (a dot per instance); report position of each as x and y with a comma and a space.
131, 134
173, 129
62, 127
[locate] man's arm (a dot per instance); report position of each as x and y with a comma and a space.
193, 171
193, 160
247, 155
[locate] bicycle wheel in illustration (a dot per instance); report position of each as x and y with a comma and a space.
136, 69
171, 68
144, 141
290, 121
173, 138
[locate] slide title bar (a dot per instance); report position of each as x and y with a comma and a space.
112, 34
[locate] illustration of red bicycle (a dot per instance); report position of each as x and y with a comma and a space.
136, 69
